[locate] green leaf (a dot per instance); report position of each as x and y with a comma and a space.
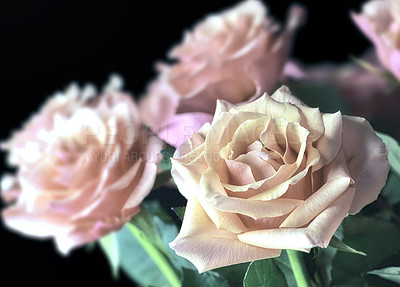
192, 278
284, 266
388, 273
391, 190
145, 222
179, 211
234, 274
324, 96
166, 268
166, 153
159, 229
165, 230
136, 263
263, 273
394, 151
340, 245
378, 238
109, 245
323, 263
153, 226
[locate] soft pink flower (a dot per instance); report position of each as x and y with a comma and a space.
272, 174
380, 22
233, 55
84, 166
367, 94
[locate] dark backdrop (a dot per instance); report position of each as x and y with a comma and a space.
47, 44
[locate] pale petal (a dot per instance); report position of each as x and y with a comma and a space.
236, 88
239, 173
268, 193
366, 157
318, 233
212, 189
159, 104
219, 135
337, 180
222, 107
284, 95
187, 175
207, 247
329, 144
146, 181
260, 168
268, 106
255, 208
209, 188
247, 133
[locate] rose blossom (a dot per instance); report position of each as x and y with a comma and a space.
367, 94
380, 22
272, 174
233, 55
84, 166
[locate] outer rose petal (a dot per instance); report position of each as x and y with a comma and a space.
207, 247
318, 233
366, 157
336, 182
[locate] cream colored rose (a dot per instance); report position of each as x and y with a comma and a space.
272, 174
234, 55
84, 166
380, 22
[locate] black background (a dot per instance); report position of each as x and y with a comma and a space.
45, 45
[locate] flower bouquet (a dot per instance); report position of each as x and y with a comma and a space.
237, 166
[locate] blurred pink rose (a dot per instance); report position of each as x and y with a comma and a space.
233, 55
84, 166
367, 94
380, 22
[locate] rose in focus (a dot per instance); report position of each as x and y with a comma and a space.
84, 164
272, 174
380, 22
234, 55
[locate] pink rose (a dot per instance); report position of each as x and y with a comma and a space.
84, 166
233, 55
380, 22
272, 174
367, 94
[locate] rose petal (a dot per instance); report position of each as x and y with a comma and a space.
336, 181
329, 144
199, 241
212, 189
267, 106
318, 233
366, 157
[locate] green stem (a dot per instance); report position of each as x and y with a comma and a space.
158, 258
296, 259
